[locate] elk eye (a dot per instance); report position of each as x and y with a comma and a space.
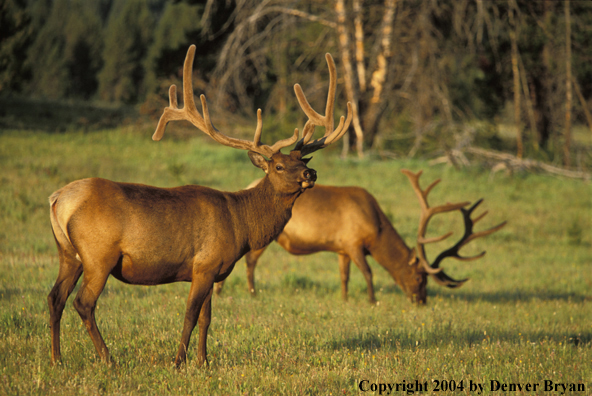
279, 168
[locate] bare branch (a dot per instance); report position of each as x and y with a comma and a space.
512, 162
305, 15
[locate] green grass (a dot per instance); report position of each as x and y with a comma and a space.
525, 316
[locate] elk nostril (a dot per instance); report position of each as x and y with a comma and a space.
310, 174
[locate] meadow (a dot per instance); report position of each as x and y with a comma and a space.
525, 316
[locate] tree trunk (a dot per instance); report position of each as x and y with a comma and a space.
359, 36
568, 93
516, 75
529, 98
375, 106
350, 86
583, 102
541, 83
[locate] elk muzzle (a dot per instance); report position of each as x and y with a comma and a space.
309, 177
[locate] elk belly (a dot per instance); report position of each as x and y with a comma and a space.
137, 272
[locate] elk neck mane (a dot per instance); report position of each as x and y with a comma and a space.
266, 212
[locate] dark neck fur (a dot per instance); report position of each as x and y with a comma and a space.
266, 212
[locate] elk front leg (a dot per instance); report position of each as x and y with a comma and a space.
360, 260
205, 317
200, 295
252, 257
344, 262
69, 273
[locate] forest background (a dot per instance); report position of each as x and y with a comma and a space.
497, 80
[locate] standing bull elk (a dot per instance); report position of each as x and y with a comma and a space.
147, 235
349, 222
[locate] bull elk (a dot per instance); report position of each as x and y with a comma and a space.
349, 222
147, 235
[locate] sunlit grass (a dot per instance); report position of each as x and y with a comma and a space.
525, 315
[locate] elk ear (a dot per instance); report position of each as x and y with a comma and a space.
306, 160
259, 161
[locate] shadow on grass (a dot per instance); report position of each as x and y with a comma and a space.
436, 338
499, 297
513, 296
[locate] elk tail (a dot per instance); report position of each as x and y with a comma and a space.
59, 227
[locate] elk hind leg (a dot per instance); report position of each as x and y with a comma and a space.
218, 287
86, 301
68, 275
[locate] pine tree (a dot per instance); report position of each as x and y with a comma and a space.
129, 33
64, 58
178, 27
15, 37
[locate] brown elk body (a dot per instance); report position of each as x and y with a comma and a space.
147, 235
350, 222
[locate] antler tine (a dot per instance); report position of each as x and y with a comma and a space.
445, 280
422, 195
190, 113
471, 222
327, 121
426, 214
467, 237
276, 147
307, 132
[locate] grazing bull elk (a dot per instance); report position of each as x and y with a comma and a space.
147, 235
349, 222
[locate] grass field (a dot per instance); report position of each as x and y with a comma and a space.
525, 317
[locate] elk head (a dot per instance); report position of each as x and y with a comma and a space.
416, 281
287, 173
